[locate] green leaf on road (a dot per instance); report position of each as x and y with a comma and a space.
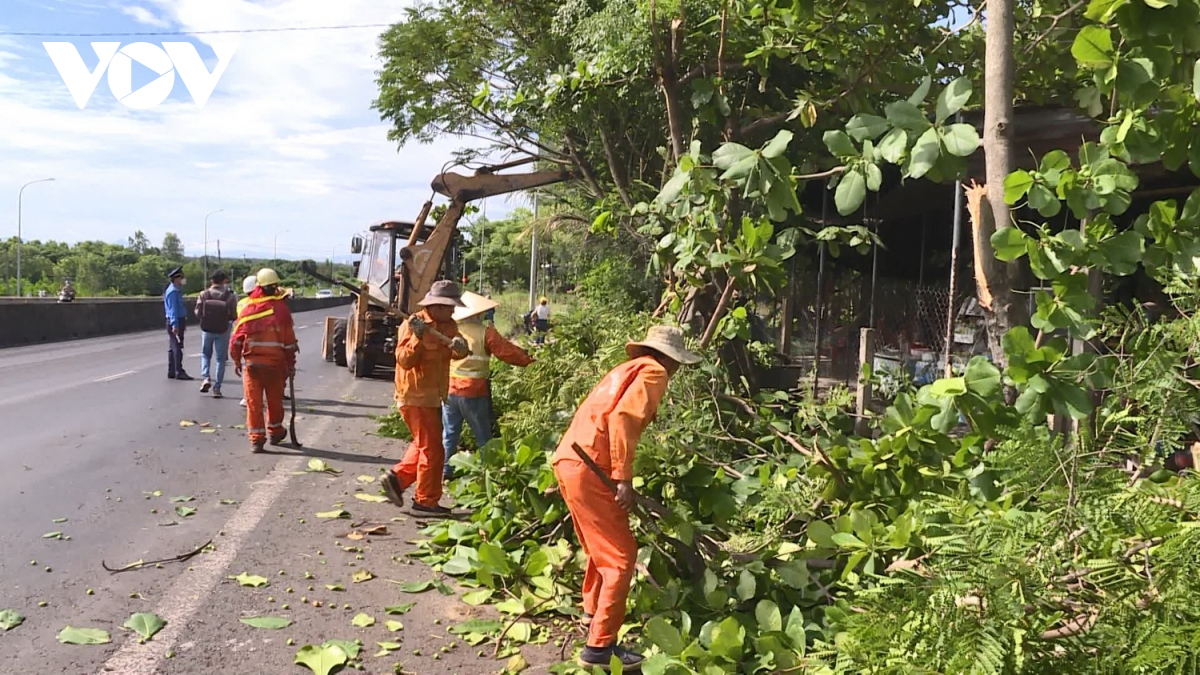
402, 608
516, 664
319, 466
375, 499
145, 624
52, 535
393, 625
476, 626
184, 498
363, 620
336, 513
83, 636
477, 597
251, 580
416, 586
335, 587
228, 502
362, 575
321, 660
185, 511
387, 647
267, 622
351, 647
10, 619
59, 520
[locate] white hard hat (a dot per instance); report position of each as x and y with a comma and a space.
249, 283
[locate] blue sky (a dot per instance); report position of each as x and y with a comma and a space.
287, 140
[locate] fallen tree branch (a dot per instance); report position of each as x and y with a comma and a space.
142, 564
522, 615
1079, 625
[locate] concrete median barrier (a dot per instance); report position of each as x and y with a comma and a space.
32, 321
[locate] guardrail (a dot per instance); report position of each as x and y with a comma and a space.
30, 321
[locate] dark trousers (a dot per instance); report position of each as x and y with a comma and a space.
174, 351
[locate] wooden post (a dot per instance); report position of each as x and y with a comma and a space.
789, 304
866, 356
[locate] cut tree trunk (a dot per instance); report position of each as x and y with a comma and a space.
1002, 310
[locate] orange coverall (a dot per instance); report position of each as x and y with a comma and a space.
265, 338
607, 427
422, 383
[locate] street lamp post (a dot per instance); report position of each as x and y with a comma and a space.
276, 254
20, 200
206, 243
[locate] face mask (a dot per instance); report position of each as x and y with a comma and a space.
183, 282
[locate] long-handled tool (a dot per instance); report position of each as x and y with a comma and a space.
311, 270
292, 423
643, 504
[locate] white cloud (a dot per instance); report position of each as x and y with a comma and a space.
286, 142
143, 15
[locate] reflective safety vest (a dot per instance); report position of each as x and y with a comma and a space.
478, 365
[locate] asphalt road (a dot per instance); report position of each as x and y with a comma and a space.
90, 431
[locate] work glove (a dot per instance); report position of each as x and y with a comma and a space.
625, 494
459, 346
417, 325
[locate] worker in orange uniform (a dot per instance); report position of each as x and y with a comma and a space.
470, 397
422, 384
607, 427
265, 339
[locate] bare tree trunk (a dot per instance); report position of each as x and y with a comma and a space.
667, 70
617, 171
995, 279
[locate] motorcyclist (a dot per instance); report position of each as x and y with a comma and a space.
67, 292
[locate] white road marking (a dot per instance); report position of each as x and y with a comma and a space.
190, 591
118, 376
301, 327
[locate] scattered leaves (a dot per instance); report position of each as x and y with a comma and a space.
251, 580
375, 499
319, 466
183, 498
323, 659
337, 513
185, 511
416, 586
10, 619
363, 620
366, 479
267, 622
394, 625
362, 575
83, 636
145, 624
402, 608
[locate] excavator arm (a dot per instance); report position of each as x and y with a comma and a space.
420, 261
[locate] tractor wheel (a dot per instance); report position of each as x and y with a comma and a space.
339, 342
360, 364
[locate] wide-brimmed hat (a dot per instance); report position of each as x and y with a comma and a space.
474, 304
666, 340
444, 292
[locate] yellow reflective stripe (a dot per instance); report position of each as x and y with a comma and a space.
251, 317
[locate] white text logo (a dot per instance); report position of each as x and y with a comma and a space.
167, 60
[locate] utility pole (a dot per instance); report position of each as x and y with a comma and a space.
20, 198
533, 257
206, 244
275, 259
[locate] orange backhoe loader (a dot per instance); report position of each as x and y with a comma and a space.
400, 261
